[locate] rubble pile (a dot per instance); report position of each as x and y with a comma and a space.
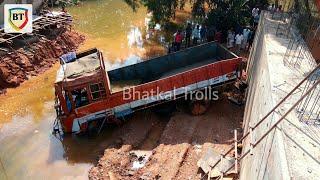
17, 66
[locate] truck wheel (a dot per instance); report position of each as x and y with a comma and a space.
165, 109
199, 107
92, 128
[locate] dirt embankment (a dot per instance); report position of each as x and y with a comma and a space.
17, 66
170, 147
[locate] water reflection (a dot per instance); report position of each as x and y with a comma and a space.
107, 25
132, 59
30, 98
135, 37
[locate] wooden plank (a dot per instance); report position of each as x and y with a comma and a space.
5, 50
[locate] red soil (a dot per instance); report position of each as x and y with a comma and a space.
19, 65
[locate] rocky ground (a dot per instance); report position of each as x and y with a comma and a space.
151, 147
17, 66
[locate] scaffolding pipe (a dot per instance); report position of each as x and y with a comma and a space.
276, 124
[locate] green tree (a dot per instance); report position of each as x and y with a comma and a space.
231, 13
224, 14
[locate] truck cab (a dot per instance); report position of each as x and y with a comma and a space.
81, 81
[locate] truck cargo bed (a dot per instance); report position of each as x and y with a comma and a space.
165, 66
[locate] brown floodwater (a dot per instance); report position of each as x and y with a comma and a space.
28, 150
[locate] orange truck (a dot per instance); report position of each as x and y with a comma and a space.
88, 95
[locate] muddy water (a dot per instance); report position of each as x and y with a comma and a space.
108, 25
27, 148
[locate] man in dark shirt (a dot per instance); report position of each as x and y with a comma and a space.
188, 34
251, 38
211, 33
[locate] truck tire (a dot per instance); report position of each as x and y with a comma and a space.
92, 128
165, 109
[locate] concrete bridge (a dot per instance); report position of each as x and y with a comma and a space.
291, 150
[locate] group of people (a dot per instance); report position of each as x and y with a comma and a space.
193, 35
273, 8
240, 39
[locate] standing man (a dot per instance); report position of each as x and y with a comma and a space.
178, 40
256, 20
246, 33
196, 35
218, 36
188, 34
254, 12
211, 33
230, 39
251, 38
203, 33
239, 39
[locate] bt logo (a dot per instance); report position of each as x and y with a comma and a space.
18, 18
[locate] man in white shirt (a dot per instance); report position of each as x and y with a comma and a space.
231, 37
239, 39
196, 35
255, 12
246, 33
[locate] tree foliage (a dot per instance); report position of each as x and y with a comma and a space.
228, 14
163, 10
224, 14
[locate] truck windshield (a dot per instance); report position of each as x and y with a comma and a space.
80, 97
